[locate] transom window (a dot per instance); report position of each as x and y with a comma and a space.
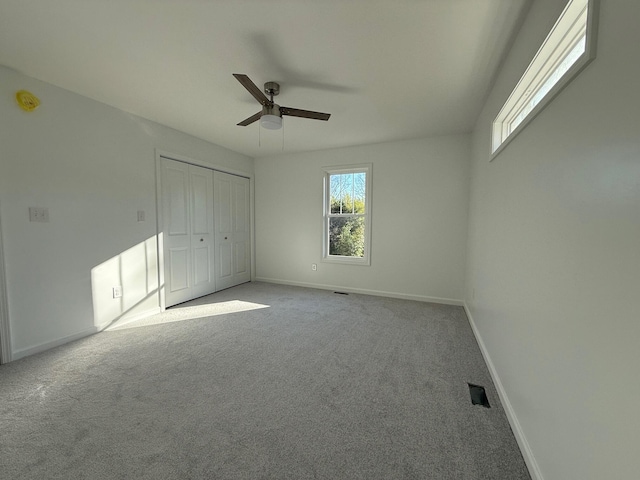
568, 48
347, 206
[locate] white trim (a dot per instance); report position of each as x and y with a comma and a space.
525, 448
127, 319
25, 352
201, 163
500, 137
364, 291
252, 226
366, 168
5, 330
159, 228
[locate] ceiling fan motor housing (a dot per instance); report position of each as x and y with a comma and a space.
271, 110
272, 88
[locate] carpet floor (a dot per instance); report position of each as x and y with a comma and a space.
261, 381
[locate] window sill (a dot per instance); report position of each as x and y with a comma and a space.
347, 260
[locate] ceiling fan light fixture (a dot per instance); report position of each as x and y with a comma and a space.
271, 115
271, 122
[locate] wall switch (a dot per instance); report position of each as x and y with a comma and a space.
117, 292
141, 215
314, 267
38, 214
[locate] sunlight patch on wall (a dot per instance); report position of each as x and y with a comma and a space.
135, 272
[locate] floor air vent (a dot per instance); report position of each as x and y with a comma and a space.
478, 395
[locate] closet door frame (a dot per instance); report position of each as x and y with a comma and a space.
159, 155
5, 330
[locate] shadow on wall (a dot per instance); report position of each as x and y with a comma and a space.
135, 272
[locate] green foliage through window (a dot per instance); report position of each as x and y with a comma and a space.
346, 236
347, 214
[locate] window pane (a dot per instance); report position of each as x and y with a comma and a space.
347, 192
359, 189
556, 75
337, 192
346, 236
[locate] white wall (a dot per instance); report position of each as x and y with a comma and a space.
93, 167
553, 273
419, 219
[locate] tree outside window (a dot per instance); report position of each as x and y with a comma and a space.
346, 215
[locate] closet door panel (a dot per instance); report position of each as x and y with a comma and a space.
232, 227
187, 220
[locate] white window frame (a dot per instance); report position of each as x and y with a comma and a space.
577, 21
328, 171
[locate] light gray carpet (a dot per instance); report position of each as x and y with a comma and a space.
298, 384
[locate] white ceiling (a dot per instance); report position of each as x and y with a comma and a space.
385, 69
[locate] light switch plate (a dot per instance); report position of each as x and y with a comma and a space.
38, 214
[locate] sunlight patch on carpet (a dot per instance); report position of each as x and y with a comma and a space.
179, 314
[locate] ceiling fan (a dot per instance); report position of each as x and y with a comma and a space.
271, 115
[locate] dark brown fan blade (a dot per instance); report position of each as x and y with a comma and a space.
250, 120
253, 89
295, 112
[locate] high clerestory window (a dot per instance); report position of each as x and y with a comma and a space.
347, 215
568, 48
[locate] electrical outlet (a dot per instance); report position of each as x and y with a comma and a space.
314, 267
141, 215
117, 292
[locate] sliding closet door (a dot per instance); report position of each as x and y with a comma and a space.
232, 230
187, 214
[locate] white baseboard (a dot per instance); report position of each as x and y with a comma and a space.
25, 352
364, 291
126, 319
527, 454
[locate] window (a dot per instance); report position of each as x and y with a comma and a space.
347, 215
568, 48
